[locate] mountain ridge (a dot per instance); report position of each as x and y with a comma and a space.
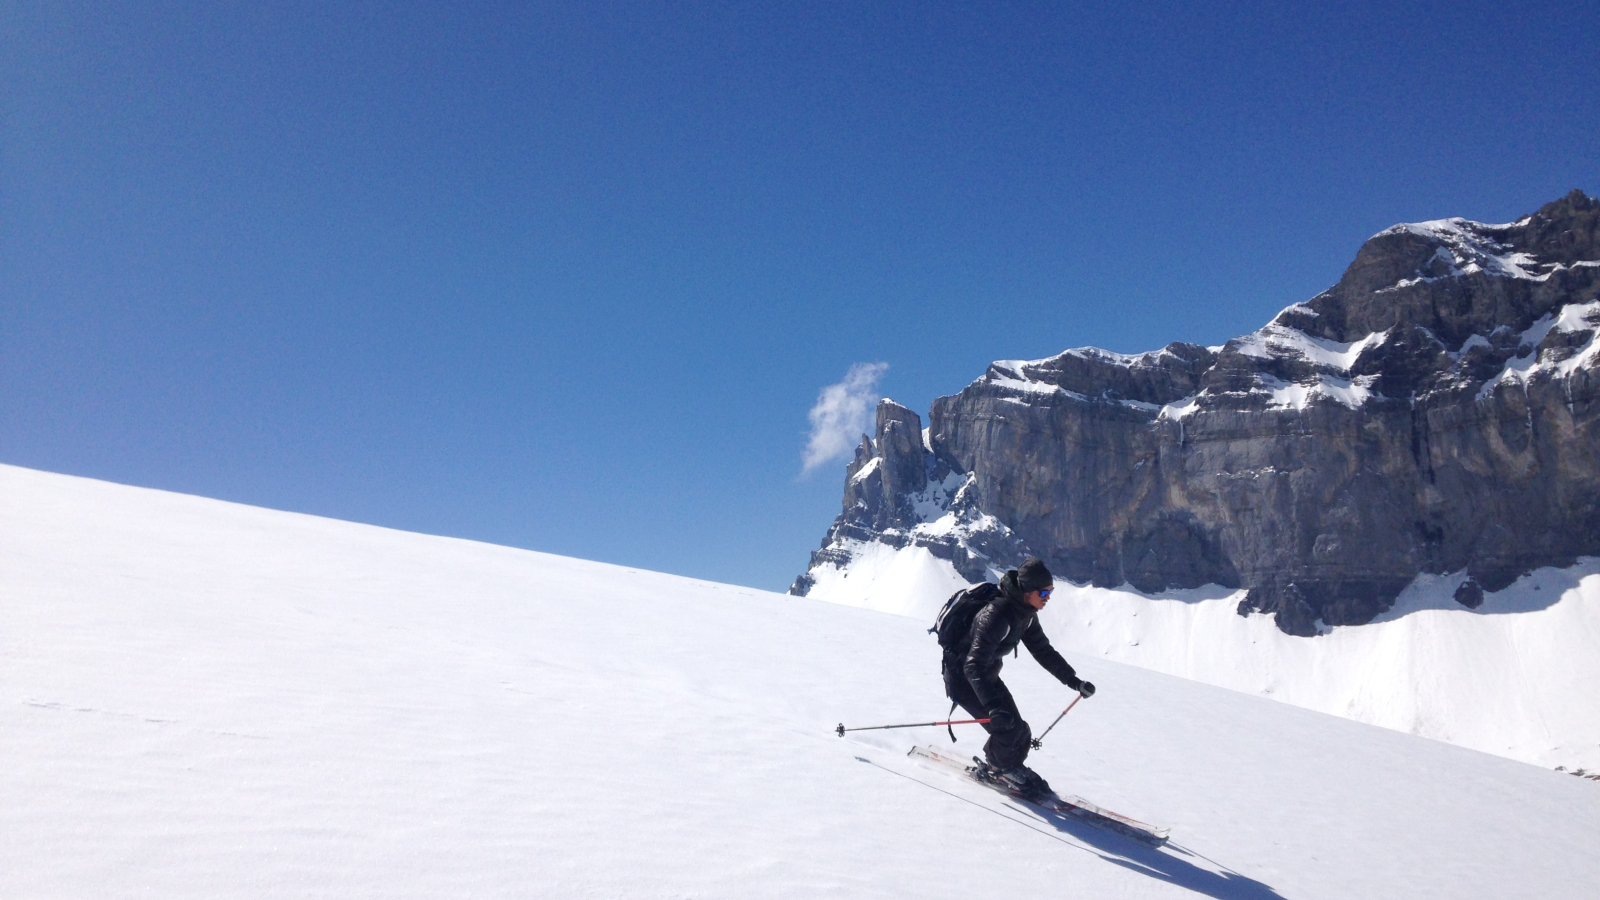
1434, 411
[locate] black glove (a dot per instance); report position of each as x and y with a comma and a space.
1002, 719
1086, 689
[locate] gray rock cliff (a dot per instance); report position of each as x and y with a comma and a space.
1436, 410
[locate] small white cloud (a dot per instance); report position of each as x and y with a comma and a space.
843, 412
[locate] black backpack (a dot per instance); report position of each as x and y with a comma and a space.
955, 619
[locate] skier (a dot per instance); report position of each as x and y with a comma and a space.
972, 672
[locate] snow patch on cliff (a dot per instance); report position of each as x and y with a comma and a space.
1350, 393
1010, 374
867, 470
1015, 381
1271, 342
1181, 409
1146, 358
1275, 341
932, 504
1467, 249
1556, 362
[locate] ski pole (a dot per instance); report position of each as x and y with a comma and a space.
841, 729
1037, 742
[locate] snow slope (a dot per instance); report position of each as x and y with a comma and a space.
200, 699
888, 579
1519, 676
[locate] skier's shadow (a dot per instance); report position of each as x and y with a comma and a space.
1167, 863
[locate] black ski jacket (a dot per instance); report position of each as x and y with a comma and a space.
995, 632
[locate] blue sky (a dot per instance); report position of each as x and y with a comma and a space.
570, 276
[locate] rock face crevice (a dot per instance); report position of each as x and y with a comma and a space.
1434, 411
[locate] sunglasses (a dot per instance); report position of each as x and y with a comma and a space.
1045, 594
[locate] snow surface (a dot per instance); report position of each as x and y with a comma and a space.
886, 579
1518, 677
200, 699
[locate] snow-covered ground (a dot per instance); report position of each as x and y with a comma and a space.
200, 699
905, 581
1519, 676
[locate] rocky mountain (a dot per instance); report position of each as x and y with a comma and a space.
1436, 411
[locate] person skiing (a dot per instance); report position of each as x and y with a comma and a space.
972, 672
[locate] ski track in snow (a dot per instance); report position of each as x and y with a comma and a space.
201, 699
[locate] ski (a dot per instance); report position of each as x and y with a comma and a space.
1076, 807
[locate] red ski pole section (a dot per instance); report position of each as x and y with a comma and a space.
1040, 739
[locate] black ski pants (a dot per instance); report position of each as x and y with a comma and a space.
1006, 747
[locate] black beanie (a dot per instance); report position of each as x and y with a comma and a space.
1033, 576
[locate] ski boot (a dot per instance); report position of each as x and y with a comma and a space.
1024, 782
1019, 779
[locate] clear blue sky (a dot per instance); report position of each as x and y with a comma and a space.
569, 276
